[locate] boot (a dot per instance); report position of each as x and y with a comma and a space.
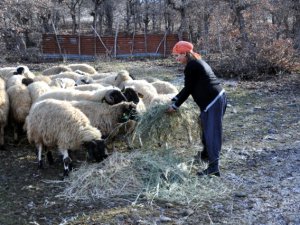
212, 170
201, 156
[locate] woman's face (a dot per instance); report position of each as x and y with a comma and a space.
181, 58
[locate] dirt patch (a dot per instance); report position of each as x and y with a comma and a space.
260, 162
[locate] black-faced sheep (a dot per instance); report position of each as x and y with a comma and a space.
54, 123
106, 117
24, 70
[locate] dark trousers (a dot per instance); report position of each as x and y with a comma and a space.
211, 123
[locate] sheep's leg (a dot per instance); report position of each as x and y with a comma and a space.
39, 156
67, 161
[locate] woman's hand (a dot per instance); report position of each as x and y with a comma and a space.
170, 110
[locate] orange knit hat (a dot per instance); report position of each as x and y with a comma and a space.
182, 47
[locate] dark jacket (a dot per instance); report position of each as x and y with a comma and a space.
200, 82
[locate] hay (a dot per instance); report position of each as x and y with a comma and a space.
160, 175
156, 128
167, 173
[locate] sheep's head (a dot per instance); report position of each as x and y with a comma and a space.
122, 76
19, 71
131, 95
129, 113
114, 97
27, 81
96, 150
84, 80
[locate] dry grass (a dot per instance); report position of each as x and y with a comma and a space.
143, 175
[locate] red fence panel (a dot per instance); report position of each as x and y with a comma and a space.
91, 46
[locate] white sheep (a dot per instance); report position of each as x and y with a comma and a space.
7, 72
142, 87
56, 70
4, 110
68, 74
85, 79
99, 76
43, 78
83, 67
54, 123
14, 79
62, 83
111, 95
20, 103
164, 87
89, 87
37, 89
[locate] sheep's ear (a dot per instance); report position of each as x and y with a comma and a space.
140, 95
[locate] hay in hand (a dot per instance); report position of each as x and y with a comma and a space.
152, 175
156, 128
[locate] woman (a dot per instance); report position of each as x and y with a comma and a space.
201, 82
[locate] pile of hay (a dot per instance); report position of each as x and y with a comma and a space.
157, 128
164, 175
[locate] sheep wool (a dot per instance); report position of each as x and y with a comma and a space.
76, 95
20, 102
37, 89
57, 123
56, 70
14, 80
164, 87
68, 74
82, 67
103, 116
7, 72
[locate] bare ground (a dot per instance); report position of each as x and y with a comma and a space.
260, 162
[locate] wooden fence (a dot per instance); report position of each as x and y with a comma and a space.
74, 46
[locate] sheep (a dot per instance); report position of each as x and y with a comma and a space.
56, 70
112, 96
105, 117
82, 67
20, 103
54, 123
37, 89
72, 75
43, 78
24, 70
132, 96
27, 81
164, 87
84, 80
4, 110
142, 87
15, 79
7, 72
62, 82
90, 87
99, 76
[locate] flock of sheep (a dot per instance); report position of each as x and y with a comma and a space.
74, 107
